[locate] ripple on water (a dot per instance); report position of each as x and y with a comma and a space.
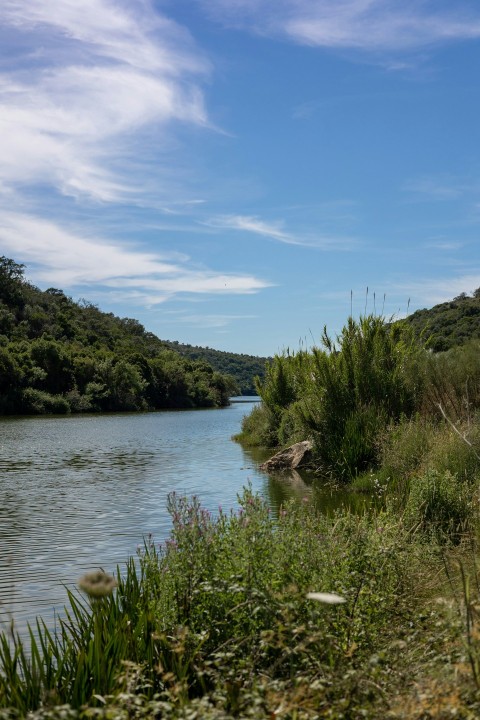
81, 492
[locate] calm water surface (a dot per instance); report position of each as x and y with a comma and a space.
81, 492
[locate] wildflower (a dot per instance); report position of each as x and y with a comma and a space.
327, 598
97, 584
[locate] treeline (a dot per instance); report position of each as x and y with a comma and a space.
59, 356
449, 324
349, 395
244, 368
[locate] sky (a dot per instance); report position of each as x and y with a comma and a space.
239, 173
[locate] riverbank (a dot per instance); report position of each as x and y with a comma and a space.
242, 615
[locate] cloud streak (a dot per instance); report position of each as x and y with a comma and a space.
366, 25
67, 259
431, 291
252, 224
273, 230
100, 73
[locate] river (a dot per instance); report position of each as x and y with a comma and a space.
81, 492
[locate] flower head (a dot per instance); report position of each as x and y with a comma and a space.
327, 598
97, 584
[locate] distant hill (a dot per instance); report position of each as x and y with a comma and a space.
243, 368
449, 324
60, 356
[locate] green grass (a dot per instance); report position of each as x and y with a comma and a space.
217, 623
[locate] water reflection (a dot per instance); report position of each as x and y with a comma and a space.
77, 493
82, 492
327, 497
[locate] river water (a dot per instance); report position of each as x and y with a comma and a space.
81, 492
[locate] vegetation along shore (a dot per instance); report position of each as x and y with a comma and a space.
61, 356
303, 615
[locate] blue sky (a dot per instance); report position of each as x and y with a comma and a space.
229, 172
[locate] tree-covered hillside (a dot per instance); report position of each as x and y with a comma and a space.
449, 324
58, 356
244, 368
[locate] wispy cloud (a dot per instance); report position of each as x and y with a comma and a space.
67, 259
439, 187
250, 223
366, 25
274, 230
210, 321
431, 291
101, 71
446, 245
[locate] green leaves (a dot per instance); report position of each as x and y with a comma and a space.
341, 395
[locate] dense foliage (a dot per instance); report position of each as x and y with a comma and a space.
340, 395
58, 356
449, 324
243, 368
343, 395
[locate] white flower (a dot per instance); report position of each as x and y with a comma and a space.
97, 584
327, 598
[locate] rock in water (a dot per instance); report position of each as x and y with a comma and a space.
295, 456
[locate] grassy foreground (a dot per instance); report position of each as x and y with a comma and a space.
218, 623
244, 615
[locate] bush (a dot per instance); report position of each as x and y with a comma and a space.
452, 379
258, 429
440, 505
343, 395
403, 446
448, 452
38, 402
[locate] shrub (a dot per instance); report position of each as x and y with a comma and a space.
38, 402
258, 428
358, 385
403, 446
452, 380
450, 451
440, 505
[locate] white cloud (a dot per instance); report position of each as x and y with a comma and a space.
367, 25
210, 321
254, 225
431, 291
112, 29
439, 187
67, 259
274, 231
99, 74
445, 245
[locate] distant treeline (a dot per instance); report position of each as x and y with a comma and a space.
449, 324
60, 356
244, 368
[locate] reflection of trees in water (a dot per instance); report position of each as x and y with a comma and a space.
99, 464
326, 497
12, 518
281, 487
